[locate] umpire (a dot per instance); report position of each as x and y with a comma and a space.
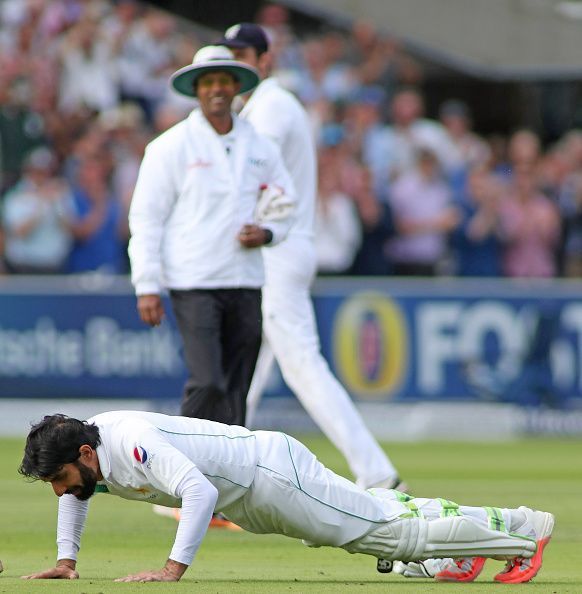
209, 194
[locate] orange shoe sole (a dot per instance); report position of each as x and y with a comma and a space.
519, 576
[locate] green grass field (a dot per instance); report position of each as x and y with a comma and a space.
123, 537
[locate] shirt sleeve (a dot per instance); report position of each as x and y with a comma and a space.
71, 521
277, 203
152, 202
168, 470
17, 210
198, 500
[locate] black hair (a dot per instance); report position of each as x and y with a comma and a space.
54, 442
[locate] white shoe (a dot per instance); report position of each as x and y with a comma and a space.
422, 569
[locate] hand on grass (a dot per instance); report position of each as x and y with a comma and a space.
171, 572
63, 571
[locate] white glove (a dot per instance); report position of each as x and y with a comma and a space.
273, 204
422, 569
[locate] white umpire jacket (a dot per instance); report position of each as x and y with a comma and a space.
191, 199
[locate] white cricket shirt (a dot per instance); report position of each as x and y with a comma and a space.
195, 464
276, 113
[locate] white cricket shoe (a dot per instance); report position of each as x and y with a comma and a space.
421, 569
442, 570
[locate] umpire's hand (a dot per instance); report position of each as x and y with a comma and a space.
151, 309
252, 236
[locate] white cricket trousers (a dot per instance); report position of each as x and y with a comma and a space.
290, 330
295, 495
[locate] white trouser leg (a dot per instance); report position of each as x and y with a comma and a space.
294, 494
263, 368
508, 520
431, 509
290, 327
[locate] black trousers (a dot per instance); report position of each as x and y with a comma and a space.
221, 330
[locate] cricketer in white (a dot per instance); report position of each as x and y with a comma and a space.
266, 482
289, 324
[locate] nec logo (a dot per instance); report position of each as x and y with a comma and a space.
258, 162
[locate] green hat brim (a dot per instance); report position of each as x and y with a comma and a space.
183, 80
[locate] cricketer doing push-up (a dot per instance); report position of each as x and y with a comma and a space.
266, 482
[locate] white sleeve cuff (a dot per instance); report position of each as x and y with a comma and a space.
147, 288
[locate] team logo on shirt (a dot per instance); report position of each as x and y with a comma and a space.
370, 345
140, 454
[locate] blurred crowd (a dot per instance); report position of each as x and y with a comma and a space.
83, 88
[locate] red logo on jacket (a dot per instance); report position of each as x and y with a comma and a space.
199, 164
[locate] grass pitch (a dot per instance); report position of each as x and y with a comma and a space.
123, 537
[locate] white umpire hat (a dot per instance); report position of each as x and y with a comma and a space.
212, 58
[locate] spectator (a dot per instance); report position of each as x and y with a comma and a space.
377, 229
35, 218
88, 74
524, 149
423, 216
456, 118
21, 130
476, 239
274, 18
118, 24
127, 141
97, 224
570, 203
498, 159
367, 134
530, 227
337, 228
288, 56
87, 140
146, 60
321, 78
409, 131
